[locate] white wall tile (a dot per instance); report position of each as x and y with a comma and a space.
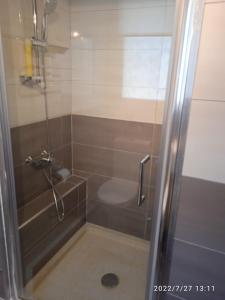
26, 105
160, 105
58, 58
209, 83
135, 68
82, 65
93, 5
13, 59
11, 18
205, 147
120, 58
109, 102
59, 28
59, 98
121, 43
59, 74
134, 22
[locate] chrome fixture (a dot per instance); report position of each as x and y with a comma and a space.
43, 162
50, 6
141, 196
39, 44
40, 162
58, 199
30, 81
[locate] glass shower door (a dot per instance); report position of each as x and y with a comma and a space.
86, 142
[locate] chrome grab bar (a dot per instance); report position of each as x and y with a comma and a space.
141, 196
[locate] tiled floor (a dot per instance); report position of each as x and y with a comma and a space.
75, 272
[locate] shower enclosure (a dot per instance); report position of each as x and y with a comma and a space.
85, 85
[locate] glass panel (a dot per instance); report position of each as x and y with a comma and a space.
199, 238
86, 98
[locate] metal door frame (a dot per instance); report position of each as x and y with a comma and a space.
8, 208
183, 68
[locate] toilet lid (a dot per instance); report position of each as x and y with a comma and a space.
117, 191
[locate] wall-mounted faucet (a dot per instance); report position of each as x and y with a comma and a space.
44, 160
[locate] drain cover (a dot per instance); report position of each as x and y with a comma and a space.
110, 280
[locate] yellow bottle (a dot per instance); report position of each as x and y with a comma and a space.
28, 58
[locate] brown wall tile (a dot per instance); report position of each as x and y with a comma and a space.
63, 156
39, 225
154, 169
28, 140
115, 134
118, 219
107, 162
29, 184
96, 183
157, 132
51, 243
31, 140
59, 132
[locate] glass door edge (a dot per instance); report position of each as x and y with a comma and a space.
173, 141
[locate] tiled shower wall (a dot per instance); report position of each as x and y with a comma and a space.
199, 249
26, 105
109, 152
120, 54
41, 233
31, 140
120, 60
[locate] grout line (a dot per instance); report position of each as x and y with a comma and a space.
200, 246
23, 163
88, 83
75, 49
208, 100
115, 120
71, 141
165, 6
113, 149
41, 121
90, 173
214, 2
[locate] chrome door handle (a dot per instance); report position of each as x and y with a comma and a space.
141, 196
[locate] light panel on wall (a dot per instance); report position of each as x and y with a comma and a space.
145, 67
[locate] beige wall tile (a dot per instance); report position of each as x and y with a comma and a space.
141, 21
120, 58
108, 102
205, 147
11, 18
58, 58
59, 27
59, 98
209, 83
135, 68
82, 64
121, 42
26, 105
13, 59
87, 5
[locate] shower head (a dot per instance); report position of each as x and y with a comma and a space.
50, 6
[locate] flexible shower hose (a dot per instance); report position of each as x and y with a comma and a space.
56, 195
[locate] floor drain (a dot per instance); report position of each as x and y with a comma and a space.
110, 280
